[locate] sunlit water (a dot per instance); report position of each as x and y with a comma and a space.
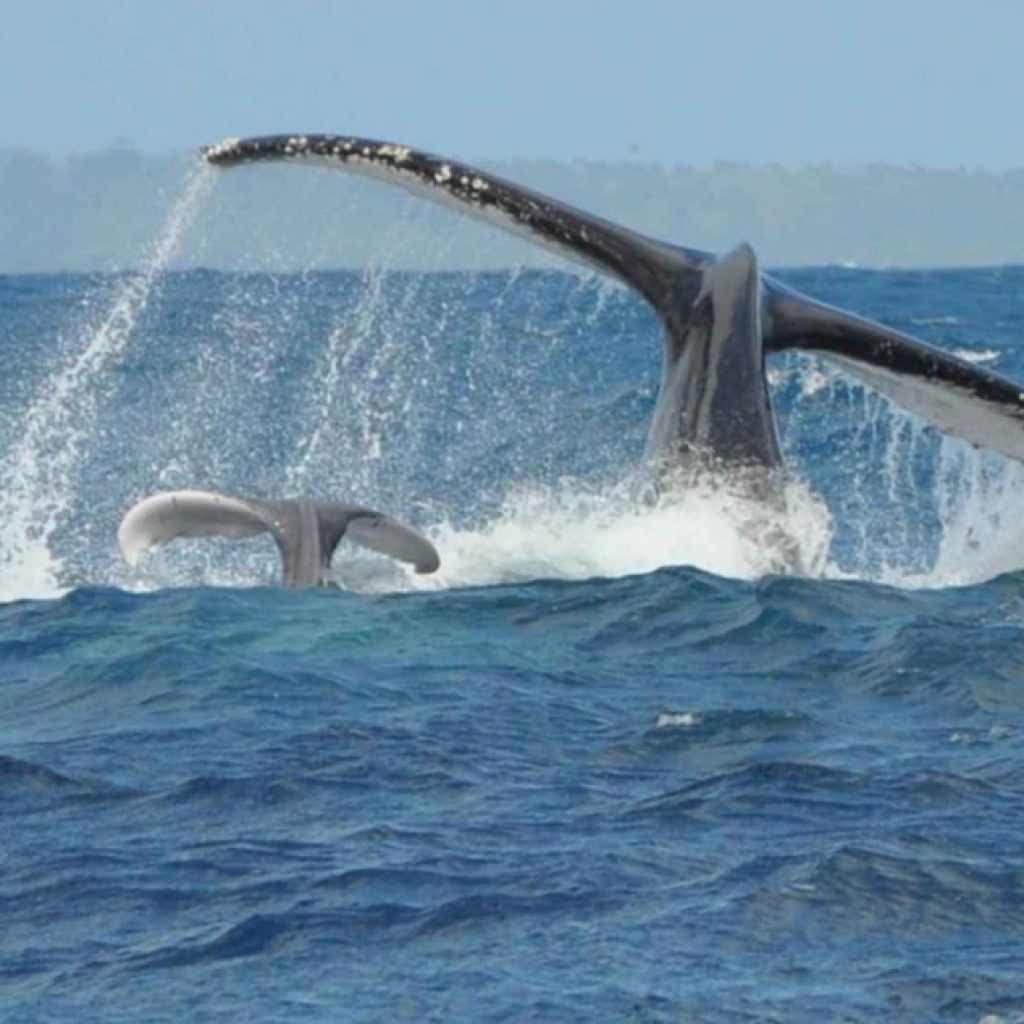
599, 767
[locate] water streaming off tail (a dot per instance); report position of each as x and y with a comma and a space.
37, 471
505, 412
502, 412
909, 507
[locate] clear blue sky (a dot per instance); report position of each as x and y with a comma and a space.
935, 82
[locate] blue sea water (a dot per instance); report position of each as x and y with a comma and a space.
602, 767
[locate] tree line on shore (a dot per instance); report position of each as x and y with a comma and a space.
102, 211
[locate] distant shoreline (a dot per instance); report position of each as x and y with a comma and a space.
101, 211
114, 272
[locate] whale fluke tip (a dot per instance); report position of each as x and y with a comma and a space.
224, 152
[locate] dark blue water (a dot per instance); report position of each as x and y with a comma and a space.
602, 768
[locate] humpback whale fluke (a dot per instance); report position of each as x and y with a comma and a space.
721, 316
306, 532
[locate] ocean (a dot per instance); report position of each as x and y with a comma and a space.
602, 766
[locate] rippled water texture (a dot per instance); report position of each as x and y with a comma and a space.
600, 768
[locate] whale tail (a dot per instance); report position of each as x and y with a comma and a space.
306, 533
954, 395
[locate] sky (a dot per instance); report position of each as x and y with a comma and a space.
937, 83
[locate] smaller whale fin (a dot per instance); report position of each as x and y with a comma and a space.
163, 517
305, 532
377, 532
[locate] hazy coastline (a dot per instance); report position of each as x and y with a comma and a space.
101, 210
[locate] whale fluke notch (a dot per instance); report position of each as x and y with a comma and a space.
954, 395
306, 532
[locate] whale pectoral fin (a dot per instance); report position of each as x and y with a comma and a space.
376, 531
653, 268
163, 517
954, 395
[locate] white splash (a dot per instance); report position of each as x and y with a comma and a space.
574, 534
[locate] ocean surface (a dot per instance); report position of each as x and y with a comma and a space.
602, 767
